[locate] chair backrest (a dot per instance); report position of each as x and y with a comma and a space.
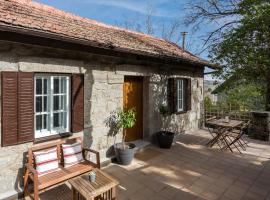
207, 124
243, 128
211, 118
50, 145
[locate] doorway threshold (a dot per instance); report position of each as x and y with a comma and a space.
141, 145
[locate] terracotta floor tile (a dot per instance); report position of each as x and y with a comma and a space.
209, 195
235, 192
252, 196
192, 171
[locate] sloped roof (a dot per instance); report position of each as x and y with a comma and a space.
36, 17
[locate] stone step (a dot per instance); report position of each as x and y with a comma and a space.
141, 145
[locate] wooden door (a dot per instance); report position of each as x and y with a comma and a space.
133, 98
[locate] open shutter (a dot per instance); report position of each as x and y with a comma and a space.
77, 102
25, 107
188, 94
172, 95
9, 108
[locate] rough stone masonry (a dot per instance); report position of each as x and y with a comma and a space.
103, 93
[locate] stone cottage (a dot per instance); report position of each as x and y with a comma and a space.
62, 75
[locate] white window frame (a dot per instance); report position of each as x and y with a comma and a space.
180, 95
52, 131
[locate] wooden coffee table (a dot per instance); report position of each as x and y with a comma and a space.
103, 188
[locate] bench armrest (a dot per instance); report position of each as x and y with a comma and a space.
32, 173
31, 169
97, 156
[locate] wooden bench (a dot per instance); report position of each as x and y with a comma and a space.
64, 174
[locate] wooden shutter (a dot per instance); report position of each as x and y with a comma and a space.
9, 108
77, 84
25, 107
172, 95
188, 94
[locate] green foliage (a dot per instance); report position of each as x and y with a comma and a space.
164, 110
207, 102
126, 119
244, 95
245, 52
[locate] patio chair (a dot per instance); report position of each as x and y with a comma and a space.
234, 137
213, 130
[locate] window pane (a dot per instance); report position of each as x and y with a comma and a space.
55, 98
56, 85
63, 102
63, 84
38, 86
56, 117
180, 95
45, 104
38, 104
45, 125
56, 103
64, 119
45, 86
38, 122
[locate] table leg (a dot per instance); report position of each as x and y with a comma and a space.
215, 140
74, 194
228, 145
114, 193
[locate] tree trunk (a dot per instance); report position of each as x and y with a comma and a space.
124, 138
267, 99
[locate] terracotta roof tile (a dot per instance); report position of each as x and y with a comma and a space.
39, 17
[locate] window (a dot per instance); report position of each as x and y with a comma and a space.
180, 95
52, 100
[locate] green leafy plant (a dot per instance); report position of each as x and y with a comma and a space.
163, 110
125, 119
165, 113
207, 102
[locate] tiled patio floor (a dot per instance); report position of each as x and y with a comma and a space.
189, 170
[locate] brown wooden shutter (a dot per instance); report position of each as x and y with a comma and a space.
172, 95
188, 94
77, 84
9, 108
25, 107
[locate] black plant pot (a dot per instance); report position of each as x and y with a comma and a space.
165, 139
124, 156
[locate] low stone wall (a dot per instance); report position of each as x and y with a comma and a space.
103, 90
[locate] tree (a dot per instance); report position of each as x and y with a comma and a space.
207, 102
169, 30
240, 95
241, 42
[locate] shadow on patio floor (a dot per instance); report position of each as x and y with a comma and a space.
189, 170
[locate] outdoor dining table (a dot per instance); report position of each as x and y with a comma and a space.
221, 127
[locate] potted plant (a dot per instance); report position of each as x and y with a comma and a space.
125, 150
164, 137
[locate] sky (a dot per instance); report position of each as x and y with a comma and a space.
121, 12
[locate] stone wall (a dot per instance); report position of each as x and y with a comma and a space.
103, 94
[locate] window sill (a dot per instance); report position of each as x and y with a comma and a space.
181, 112
53, 137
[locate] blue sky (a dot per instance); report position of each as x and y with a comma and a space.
116, 12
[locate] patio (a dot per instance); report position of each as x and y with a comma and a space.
189, 170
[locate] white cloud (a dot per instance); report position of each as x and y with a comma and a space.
140, 6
